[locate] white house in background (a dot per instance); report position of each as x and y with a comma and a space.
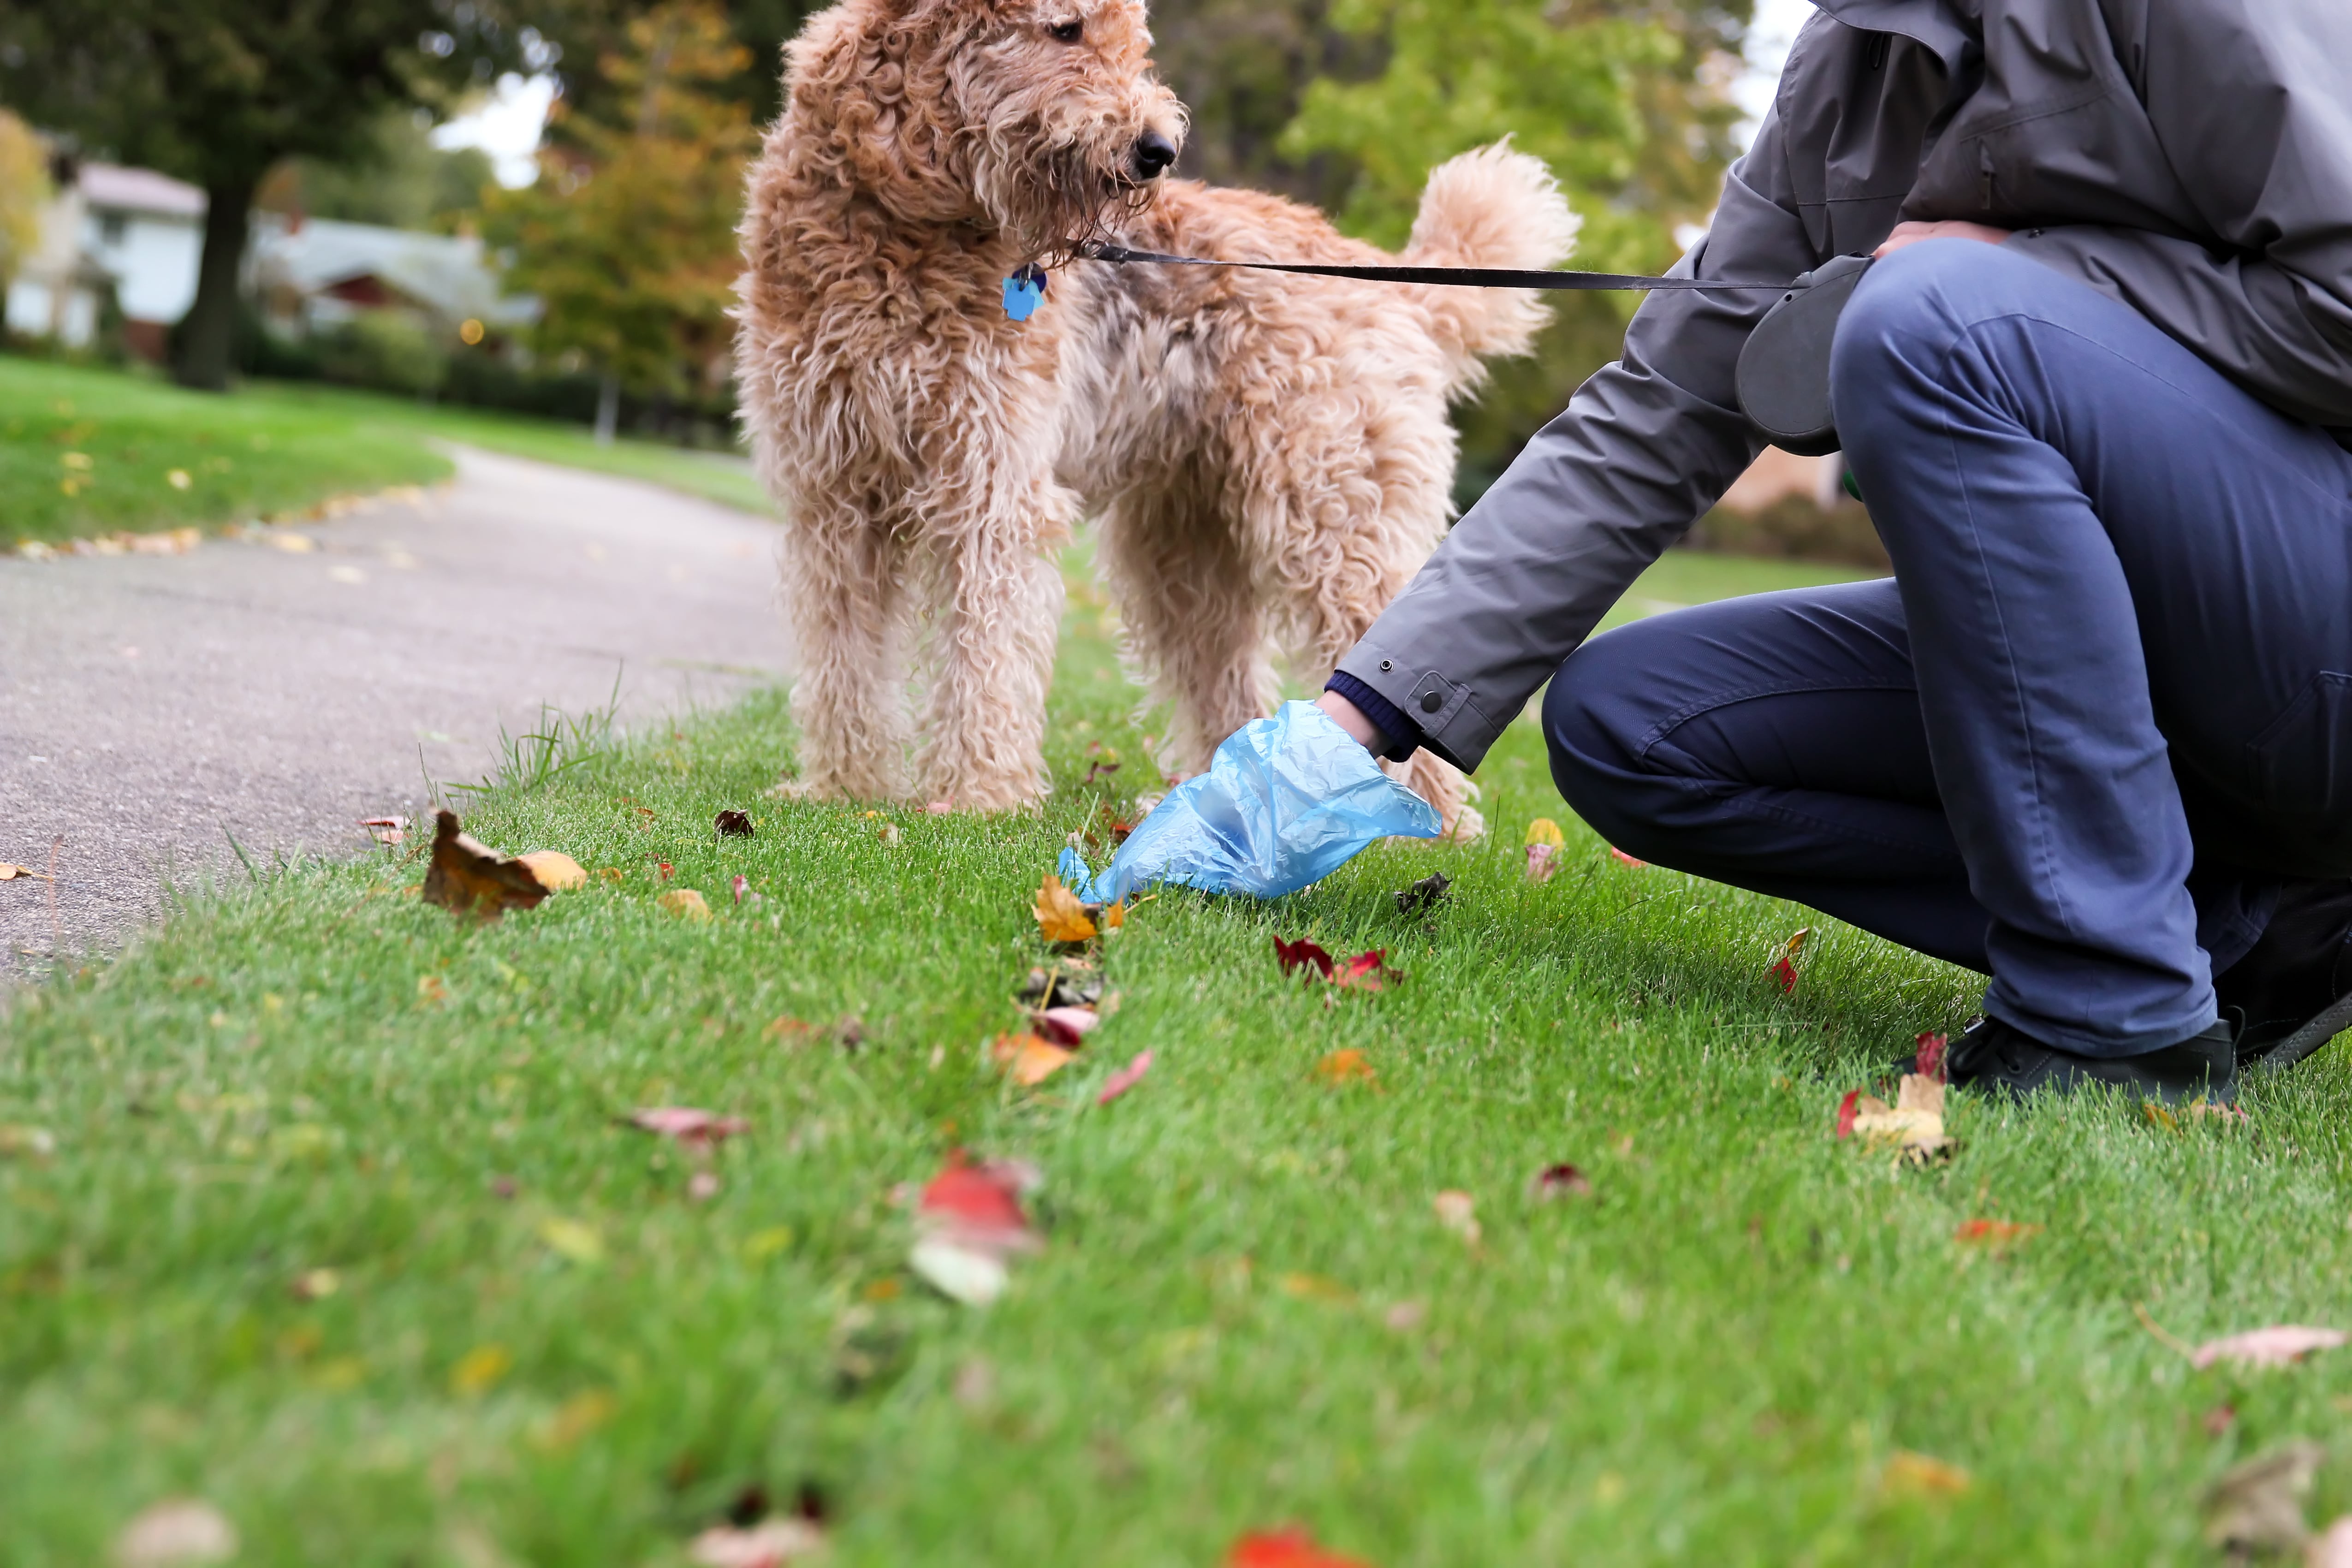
314, 274
137, 231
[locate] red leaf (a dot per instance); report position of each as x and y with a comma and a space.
1292, 1548
1785, 973
1301, 953
1562, 1181
1067, 1026
1624, 859
1125, 1078
1993, 1233
987, 1197
1931, 1058
1846, 1112
1366, 971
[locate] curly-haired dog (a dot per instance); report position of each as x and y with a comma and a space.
1268, 456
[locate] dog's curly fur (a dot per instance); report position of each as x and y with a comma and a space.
1268, 457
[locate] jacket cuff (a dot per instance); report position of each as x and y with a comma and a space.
1438, 710
1402, 735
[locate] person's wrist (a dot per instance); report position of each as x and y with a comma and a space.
1351, 718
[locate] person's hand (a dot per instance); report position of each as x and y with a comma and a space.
1351, 718
1949, 228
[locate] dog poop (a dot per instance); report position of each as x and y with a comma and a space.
1425, 894
732, 825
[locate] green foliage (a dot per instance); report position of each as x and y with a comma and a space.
24, 191
398, 179
628, 237
390, 351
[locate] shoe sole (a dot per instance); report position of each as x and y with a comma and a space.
2329, 1023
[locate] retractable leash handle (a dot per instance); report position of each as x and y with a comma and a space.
1783, 376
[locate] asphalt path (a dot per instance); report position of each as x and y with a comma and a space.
153, 707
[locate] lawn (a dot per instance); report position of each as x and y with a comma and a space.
87, 452
314, 1206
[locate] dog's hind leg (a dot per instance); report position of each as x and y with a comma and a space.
1189, 617
992, 643
844, 587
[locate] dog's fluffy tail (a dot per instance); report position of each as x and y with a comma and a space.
1492, 208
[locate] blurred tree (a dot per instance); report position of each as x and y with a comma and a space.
1627, 100
397, 178
24, 192
218, 91
628, 237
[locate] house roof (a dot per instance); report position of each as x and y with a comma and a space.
114, 188
448, 275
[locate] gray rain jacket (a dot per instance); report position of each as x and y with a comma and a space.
2192, 158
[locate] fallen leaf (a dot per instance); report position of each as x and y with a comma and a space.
1543, 860
1561, 1181
1993, 1234
571, 1239
739, 885
1060, 916
790, 1032
970, 1224
770, 1543
469, 877
1346, 1067
2282, 1345
2332, 1548
575, 1419
20, 1141
1065, 1026
1314, 1288
1125, 1078
733, 824
1292, 1548
316, 1284
386, 830
479, 1370
174, 1532
555, 870
889, 833
1458, 1212
1784, 968
1302, 954
1423, 895
1029, 1060
686, 903
179, 478
1115, 914
9, 872
1848, 1108
1920, 1474
1624, 859
702, 1186
2257, 1506
695, 1129
1930, 1064
1366, 972
1913, 1125
1543, 833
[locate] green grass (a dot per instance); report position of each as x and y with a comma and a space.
87, 452
1247, 1311
722, 477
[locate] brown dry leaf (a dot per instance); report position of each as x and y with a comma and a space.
1060, 916
9, 872
1913, 1125
1921, 1475
770, 1543
1314, 1288
686, 903
2280, 1345
2258, 1506
1029, 1060
176, 1531
471, 877
1346, 1067
556, 871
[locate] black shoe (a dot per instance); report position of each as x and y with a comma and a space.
2294, 987
1994, 1059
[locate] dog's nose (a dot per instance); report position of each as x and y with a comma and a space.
1153, 152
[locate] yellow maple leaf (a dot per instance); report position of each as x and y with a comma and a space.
1544, 830
1060, 916
1029, 1059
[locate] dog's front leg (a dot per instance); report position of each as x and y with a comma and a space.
842, 587
992, 648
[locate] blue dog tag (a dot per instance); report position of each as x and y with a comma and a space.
1024, 292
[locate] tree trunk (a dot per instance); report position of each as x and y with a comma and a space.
207, 350
608, 409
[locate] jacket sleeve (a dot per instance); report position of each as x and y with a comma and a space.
1645, 446
2248, 100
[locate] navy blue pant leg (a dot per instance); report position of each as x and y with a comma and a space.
2122, 601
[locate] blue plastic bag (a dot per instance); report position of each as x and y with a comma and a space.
1286, 802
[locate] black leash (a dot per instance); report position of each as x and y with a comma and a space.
1438, 277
